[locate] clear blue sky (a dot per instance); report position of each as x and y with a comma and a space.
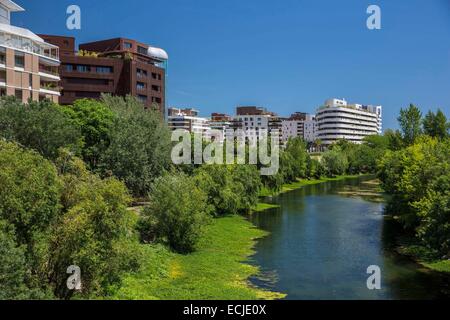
287, 55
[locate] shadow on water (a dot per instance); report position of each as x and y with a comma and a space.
322, 239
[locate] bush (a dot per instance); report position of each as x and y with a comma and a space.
96, 233
178, 211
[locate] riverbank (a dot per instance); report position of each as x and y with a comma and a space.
423, 256
217, 270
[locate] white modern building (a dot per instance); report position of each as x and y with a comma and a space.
338, 120
187, 119
28, 65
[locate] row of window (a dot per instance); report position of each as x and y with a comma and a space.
143, 98
19, 58
143, 74
86, 68
143, 86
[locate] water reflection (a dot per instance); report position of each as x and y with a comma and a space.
322, 239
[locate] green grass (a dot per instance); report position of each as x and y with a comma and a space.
301, 183
217, 270
264, 206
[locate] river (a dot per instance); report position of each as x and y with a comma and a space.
324, 237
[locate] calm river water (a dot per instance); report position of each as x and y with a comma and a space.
322, 239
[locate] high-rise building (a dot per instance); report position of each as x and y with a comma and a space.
339, 120
28, 64
116, 66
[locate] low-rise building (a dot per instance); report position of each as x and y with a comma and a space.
187, 119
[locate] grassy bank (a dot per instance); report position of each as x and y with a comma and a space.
301, 183
423, 256
217, 270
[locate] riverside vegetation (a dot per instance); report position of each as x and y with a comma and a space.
69, 174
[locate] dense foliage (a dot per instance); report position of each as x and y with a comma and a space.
418, 179
69, 174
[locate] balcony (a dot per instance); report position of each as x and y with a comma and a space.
50, 88
49, 73
25, 40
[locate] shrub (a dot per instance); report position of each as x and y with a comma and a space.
180, 209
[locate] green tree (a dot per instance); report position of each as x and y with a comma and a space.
140, 145
95, 120
178, 212
95, 233
41, 126
217, 183
13, 267
410, 121
296, 147
335, 162
435, 125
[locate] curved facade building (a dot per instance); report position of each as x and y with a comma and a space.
339, 120
28, 64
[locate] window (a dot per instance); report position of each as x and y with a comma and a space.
69, 67
155, 88
3, 55
157, 100
141, 73
83, 68
142, 50
19, 94
140, 86
127, 45
3, 76
31, 81
104, 70
19, 60
2, 92
142, 98
4, 15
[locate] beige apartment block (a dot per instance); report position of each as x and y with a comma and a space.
28, 65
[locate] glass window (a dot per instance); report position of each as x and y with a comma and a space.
104, 69
19, 60
82, 68
127, 45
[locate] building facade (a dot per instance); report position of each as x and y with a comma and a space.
301, 125
187, 119
28, 64
352, 122
116, 66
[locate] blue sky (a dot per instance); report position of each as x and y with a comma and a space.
287, 55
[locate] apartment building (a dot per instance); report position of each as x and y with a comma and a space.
115, 66
338, 119
226, 124
187, 119
301, 125
28, 64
